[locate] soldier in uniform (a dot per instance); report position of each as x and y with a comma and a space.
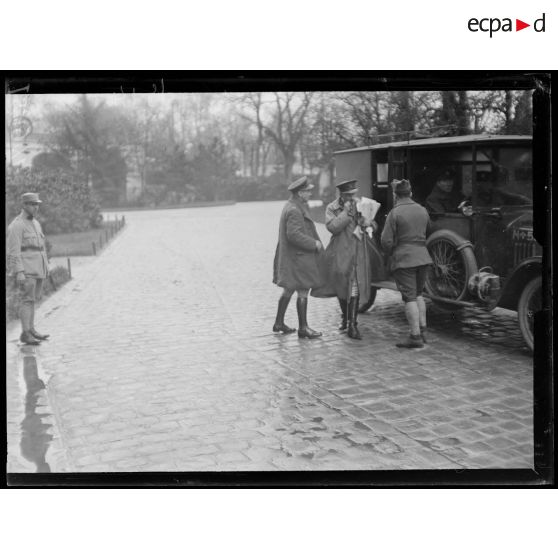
296, 264
347, 255
404, 240
28, 264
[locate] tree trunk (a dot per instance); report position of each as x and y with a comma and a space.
258, 148
523, 118
289, 161
462, 113
508, 107
265, 151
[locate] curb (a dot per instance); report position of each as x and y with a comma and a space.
182, 206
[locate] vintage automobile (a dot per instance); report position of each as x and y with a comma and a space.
482, 245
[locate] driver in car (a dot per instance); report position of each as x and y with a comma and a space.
445, 197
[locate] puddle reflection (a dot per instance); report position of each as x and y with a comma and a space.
35, 440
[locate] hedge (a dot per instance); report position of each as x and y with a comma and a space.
59, 276
69, 204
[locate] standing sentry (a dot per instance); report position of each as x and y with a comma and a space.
28, 264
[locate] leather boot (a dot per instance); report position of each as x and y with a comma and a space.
343, 306
27, 339
279, 324
411, 342
37, 335
33, 331
354, 333
303, 330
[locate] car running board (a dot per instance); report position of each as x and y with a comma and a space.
463, 303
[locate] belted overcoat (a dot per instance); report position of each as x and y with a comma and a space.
346, 256
296, 264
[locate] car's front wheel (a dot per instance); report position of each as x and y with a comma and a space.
453, 263
530, 302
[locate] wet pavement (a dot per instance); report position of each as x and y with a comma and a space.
33, 444
35, 438
162, 359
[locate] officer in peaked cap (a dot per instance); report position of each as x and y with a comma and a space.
347, 187
348, 277
295, 267
300, 185
28, 264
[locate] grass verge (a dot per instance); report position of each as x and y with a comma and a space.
81, 243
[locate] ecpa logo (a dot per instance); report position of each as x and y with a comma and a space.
494, 24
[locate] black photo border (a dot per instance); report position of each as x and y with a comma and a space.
542, 475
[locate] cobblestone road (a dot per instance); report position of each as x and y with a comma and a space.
162, 359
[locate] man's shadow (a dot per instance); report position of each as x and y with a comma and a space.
35, 440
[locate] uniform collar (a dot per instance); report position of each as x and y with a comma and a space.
404, 201
336, 203
302, 205
24, 215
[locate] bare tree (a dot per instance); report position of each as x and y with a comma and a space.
369, 113
284, 122
514, 111
254, 104
140, 134
455, 113
89, 134
327, 131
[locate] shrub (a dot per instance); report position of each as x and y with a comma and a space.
273, 187
50, 162
69, 204
258, 189
59, 276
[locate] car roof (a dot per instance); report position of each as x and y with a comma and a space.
450, 140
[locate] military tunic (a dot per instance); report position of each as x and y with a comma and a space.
404, 235
26, 249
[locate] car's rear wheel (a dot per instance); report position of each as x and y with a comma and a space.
530, 302
453, 263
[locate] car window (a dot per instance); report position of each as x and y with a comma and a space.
504, 176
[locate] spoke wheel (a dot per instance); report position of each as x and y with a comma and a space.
448, 276
529, 304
